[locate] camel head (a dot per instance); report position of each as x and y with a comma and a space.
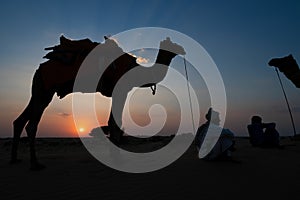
170, 46
284, 63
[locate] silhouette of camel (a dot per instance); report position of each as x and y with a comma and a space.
57, 75
289, 67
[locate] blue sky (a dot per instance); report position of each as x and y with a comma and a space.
240, 36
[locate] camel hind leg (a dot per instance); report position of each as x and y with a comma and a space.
31, 129
40, 103
40, 98
18, 126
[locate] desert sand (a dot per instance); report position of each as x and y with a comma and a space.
72, 173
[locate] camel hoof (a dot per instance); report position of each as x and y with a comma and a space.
37, 167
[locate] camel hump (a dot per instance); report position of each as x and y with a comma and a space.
168, 45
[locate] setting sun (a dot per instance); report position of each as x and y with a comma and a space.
81, 130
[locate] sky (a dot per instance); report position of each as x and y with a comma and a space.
240, 36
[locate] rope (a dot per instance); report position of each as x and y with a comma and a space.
287, 102
189, 93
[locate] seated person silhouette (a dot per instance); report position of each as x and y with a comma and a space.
260, 137
212, 141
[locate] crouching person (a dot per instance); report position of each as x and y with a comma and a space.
263, 134
212, 141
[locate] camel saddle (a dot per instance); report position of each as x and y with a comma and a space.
68, 50
60, 70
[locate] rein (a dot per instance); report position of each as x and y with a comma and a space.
153, 89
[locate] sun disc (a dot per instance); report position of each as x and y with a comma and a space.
81, 129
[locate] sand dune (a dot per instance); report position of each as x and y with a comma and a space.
72, 173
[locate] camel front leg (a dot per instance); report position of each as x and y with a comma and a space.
115, 118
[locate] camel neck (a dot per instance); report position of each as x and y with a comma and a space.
164, 57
